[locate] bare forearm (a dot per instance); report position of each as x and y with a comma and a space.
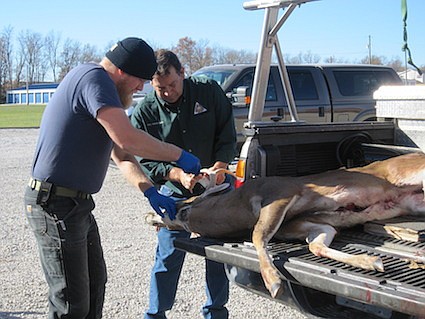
144, 145
131, 170
135, 141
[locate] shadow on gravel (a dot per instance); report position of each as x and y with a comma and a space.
18, 314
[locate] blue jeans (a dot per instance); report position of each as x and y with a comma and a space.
70, 253
165, 275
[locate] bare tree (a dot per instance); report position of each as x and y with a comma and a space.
229, 56
70, 57
37, 56
31, 46
307, 57
294, 59
334, 59
89, 54
396, 64
310, 57
19, 67
6, 65
51, 42
193, 55
374, 59
202, 55
185, 51
219, 54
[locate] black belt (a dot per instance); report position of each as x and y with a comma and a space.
57, 190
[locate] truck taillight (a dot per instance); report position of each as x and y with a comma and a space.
240, 173
247, 100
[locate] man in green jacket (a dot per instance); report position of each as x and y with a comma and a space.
195, 114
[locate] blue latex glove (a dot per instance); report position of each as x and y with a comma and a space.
189, 163
160, 202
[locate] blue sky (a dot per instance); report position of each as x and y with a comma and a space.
339, 28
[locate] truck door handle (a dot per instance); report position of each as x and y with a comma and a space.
321, 111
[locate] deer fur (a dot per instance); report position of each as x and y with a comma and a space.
310, 208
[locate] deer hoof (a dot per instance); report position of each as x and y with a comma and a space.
276, 289
378, 265
153, 219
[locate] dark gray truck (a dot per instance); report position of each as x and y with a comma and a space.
323, 93
319, 287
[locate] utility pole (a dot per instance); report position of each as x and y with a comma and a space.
369, 46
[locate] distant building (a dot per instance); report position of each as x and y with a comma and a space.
412, 77
33, 94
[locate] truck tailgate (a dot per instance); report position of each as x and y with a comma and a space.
400, 288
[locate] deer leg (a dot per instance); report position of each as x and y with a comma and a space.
269, 221
321, 236
153, 219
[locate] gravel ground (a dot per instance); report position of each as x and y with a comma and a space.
128, 245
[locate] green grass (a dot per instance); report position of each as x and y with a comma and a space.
12, 115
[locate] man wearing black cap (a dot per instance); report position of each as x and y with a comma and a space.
83, 126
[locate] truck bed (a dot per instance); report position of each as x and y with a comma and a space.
319, 287
400, 289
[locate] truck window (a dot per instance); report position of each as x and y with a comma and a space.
302, 82
303, 86
219, 76
247, 80
358, 83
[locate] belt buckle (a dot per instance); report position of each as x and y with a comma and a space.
82, 195
34, 184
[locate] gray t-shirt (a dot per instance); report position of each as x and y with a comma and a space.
73, 149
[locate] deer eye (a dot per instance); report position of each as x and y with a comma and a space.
183, 212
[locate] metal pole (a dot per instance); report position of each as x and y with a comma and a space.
27, 84
405, 67
286, 83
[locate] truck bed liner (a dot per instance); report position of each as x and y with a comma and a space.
400, 288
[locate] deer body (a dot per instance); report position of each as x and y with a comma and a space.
309, 208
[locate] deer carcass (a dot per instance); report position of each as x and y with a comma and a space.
309, 208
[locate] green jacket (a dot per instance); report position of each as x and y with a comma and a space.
202, 124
